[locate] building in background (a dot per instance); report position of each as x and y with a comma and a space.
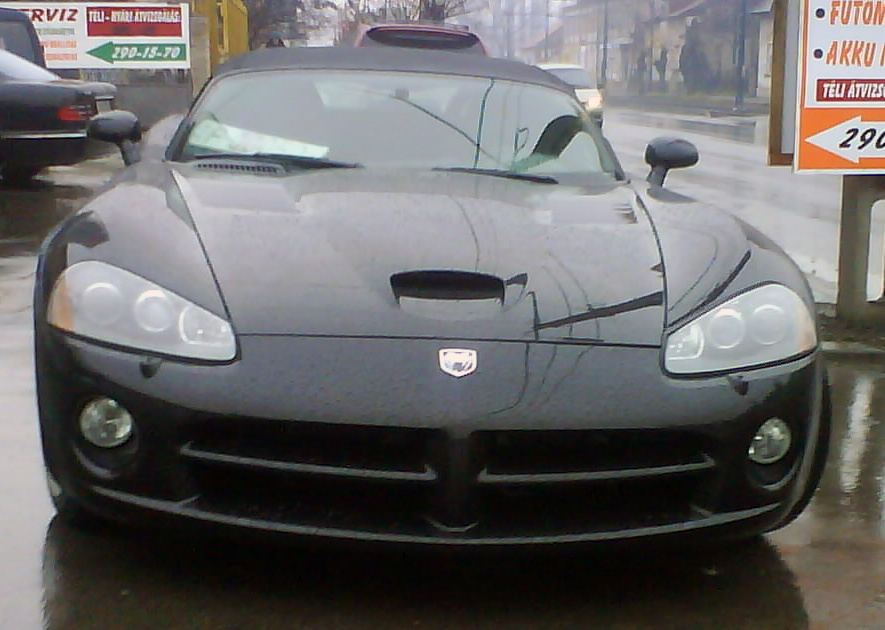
670, 45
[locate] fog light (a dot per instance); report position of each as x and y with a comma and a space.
771, 442
105, 423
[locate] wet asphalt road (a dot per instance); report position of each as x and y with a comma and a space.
825, 571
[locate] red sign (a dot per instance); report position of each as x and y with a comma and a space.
123, 21
850, 90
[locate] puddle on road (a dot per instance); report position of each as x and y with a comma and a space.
27, 215
850, 501
854, 484
147, 582
836, 549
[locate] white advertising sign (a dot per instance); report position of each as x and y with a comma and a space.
841, 104
93, 35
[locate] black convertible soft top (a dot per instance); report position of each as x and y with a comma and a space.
390, 59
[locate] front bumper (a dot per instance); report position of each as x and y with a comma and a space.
543, 444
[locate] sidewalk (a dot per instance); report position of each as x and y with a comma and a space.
713, 105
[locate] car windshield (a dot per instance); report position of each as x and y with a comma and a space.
398, 120
15, 68
576, 77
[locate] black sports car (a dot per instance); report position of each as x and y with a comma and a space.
43, 117
412, 297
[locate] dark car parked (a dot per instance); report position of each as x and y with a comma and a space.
18, 36
412, 297
43, 117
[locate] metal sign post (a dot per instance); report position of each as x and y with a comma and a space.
859, 194
784, 71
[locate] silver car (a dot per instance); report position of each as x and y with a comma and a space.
585, 86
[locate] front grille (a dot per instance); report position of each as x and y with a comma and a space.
569, 482
412, 481
306, 448
561, 456
359, 478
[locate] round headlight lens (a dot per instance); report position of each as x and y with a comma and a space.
105, 423
726, 329
102, 302
771, 442
769, 324
153, 311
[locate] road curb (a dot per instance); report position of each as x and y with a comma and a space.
851, 349
712, 107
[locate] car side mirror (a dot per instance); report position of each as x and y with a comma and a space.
665, 153
118, 127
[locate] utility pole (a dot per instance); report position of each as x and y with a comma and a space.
651, 52
508, 13
546, 30
741, 56
604, 45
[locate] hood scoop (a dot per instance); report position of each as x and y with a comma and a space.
449, 295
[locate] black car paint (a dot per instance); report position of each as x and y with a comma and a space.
370, 377
32, 135
332, 379
335, 224
295, 220
517, 385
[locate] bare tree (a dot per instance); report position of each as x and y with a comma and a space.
294, 18
439, 10
421, 10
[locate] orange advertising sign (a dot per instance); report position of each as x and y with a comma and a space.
841, 104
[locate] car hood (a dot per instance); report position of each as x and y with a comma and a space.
429, 255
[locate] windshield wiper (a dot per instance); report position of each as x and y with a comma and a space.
494, 172
283, 159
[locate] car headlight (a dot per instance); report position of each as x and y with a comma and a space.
106, 303
764, 325
594, 101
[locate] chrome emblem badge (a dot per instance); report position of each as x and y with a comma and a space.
457, 362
